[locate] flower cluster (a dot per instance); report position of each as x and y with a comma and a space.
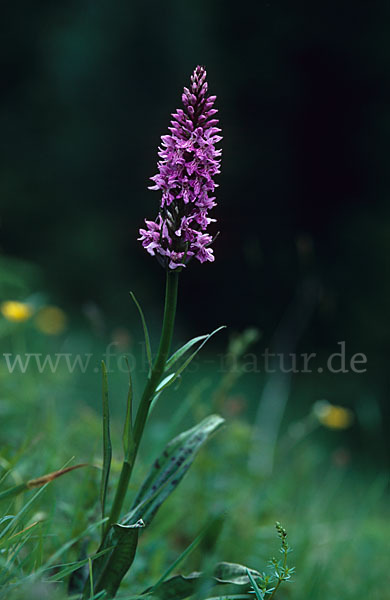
189, 162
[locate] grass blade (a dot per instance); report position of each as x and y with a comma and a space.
146, 332
258, 593
127, 438
107, 449
24, 509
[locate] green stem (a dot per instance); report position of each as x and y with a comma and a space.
280, 578
150, 389
275, 589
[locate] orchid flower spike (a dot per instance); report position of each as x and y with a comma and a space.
189, 162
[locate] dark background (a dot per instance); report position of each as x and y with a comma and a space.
87, 88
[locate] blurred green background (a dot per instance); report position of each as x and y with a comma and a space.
87, 89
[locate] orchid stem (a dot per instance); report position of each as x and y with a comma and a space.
154, 379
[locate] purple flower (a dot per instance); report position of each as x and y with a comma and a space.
189, 162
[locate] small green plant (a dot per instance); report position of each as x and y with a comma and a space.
266, 585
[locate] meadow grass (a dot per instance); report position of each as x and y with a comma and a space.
331, 500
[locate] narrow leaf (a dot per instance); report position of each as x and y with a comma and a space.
165, 383
146, 332
107, 448
14, 564
182, 367
181, 351
23, 530
127, 438
258, 593
90, 576
17, 517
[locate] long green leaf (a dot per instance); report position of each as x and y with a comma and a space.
169, 469
181, 351
258, 593
107, 448
170, 380
146, 332
127, 438
161, 386
164, 383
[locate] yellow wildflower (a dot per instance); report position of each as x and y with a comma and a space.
16, 311
333, 416
51, 320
